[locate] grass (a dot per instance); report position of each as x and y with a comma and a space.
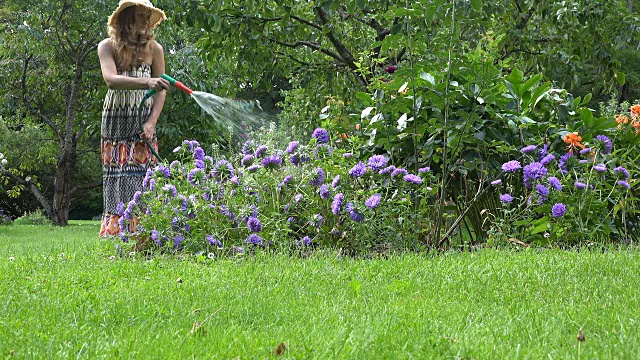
62, 296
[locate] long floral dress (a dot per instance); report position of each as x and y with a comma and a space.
125, 158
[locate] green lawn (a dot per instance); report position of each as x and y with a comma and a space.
62, 296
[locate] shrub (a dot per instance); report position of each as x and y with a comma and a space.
305, 195
33, 218
565, 198
5, 219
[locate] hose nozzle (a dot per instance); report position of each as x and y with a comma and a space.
177, 84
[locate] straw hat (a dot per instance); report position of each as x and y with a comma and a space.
157, 15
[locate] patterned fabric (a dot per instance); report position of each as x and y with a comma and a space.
125, 158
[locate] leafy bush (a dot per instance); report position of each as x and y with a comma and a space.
581, 195
33, 218
303, 196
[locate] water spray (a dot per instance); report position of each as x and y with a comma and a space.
232, 114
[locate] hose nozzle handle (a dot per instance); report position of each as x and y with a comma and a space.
177, 84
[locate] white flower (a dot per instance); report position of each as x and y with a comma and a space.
11, 258
210, 255
1, 156
4, 161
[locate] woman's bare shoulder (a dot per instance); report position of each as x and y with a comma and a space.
106, 44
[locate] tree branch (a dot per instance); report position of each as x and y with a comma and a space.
33, 188
311, 45
307, 22
23, 90
87, 186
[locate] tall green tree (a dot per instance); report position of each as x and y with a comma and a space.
51, 81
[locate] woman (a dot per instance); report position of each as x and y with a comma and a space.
131, 62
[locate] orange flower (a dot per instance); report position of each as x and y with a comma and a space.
636, 125
635, 111
573, 140
622, 119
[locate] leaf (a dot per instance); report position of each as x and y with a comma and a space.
516, 76
476, 5
403, 87
402, 122
376, 118
280, 349
365, 113
428, 77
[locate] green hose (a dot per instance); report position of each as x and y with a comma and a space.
149, 94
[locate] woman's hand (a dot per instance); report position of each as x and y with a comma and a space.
149, 129
158, 84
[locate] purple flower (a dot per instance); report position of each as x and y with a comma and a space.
506, 198
377, 162
584, 161
152, 184
624, 184
542, 190
136, 197
607, 145
184, 205
585, 151
528, 149
170, 188
542, 152
322, 150
511, 166
318, 177
353, 213
194, 175
321, 135
336, 205
306, 241
373, 201
317, 221
166, 172
177, 241
335, 182
555, 183
563, 162
496, 182
255, 226
175, 150
247, 160
535, 170
154, 237
208, 159
324, 191
247, 148
199, 164
285, 181
120, 208
292, 147
558, 210
399, 171
254, 239
390, 69
600, 168
174, 164
213, 241
253, 168
271, 162
347, 155
198, 154
547, 159
623, 171
424, 170
358, 170
387, 170
580, 185
413, 179
223, 170
260, 150
297, 198
224, 210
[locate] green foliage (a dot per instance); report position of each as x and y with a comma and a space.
33, 218
289, 192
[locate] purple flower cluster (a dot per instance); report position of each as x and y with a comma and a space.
271, 162
336, 205
558, 210
607, 145
254, 225
377, 162
353, 212
292, 147
324, 191
511, 166
318, 177
528, 149
358, 170
413, 179
261, 150
534, 171
506, 198
373, 201
321, 135
247, 160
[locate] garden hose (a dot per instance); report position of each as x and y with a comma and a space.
148, 95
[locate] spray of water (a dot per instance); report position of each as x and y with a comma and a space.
231, 114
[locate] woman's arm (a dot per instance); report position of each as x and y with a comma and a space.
115, 81
157, 69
